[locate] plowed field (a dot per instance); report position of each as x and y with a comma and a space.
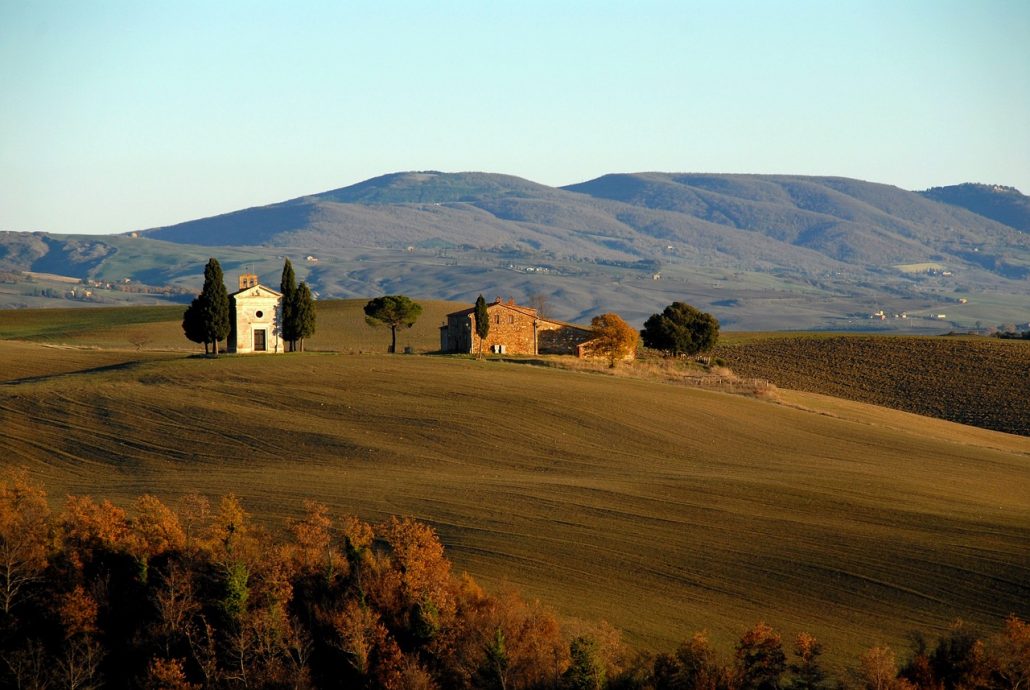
977, 381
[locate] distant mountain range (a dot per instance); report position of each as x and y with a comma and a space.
758, 250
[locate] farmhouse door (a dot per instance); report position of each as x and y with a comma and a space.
260, 338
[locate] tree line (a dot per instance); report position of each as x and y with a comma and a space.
200, 596
208, 320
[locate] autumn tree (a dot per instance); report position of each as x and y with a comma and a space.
482, 322
681, 330
153, 529
394, 311
878, 669
313, 550
696, 665
1011, 650
412, 584
760, 661
90, 528
79, 664
613, 338
24, 530
806, 668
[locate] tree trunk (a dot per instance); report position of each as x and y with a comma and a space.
393, 339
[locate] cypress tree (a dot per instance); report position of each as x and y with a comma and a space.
303, 310
482, 322
193, 324
288, 288
214, 305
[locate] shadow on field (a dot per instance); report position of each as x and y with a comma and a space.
121, 366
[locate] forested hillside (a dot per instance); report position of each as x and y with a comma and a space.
997, 202
201, 596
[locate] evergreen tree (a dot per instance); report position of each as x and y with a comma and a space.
214, 305
394, 311
193, 324
681, 330
302, 309
586, 668
288, 288
482, 322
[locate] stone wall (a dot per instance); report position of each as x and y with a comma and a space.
512, 330
556, 338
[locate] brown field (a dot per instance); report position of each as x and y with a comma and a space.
661, 508
657, 506
978, 381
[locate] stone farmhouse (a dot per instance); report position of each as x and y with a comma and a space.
514, 330
255, 318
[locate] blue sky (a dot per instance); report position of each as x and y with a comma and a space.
117, 116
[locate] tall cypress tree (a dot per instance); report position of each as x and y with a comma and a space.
214, 305
482, 323
303, 309
193, 324
288, 288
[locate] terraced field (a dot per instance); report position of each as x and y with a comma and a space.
977, 381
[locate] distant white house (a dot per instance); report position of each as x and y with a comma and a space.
255, 317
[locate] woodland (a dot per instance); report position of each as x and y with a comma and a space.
200, 596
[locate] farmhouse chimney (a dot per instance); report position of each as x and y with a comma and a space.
248, 280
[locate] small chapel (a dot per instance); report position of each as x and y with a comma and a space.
255, 318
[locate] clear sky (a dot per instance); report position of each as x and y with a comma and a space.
117, 116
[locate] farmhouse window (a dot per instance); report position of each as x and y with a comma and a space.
497, 319
511, 318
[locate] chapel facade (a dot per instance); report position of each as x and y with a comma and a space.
255, 317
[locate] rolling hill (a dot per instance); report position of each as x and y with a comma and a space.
661, 508
759, 251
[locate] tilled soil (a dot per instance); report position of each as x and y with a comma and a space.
981, 381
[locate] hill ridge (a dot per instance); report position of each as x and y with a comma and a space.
824, 248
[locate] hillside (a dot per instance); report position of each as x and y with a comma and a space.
660, 508
932, 376
761, 252
997, 202
977, 381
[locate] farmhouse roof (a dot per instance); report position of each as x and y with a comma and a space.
510, 304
